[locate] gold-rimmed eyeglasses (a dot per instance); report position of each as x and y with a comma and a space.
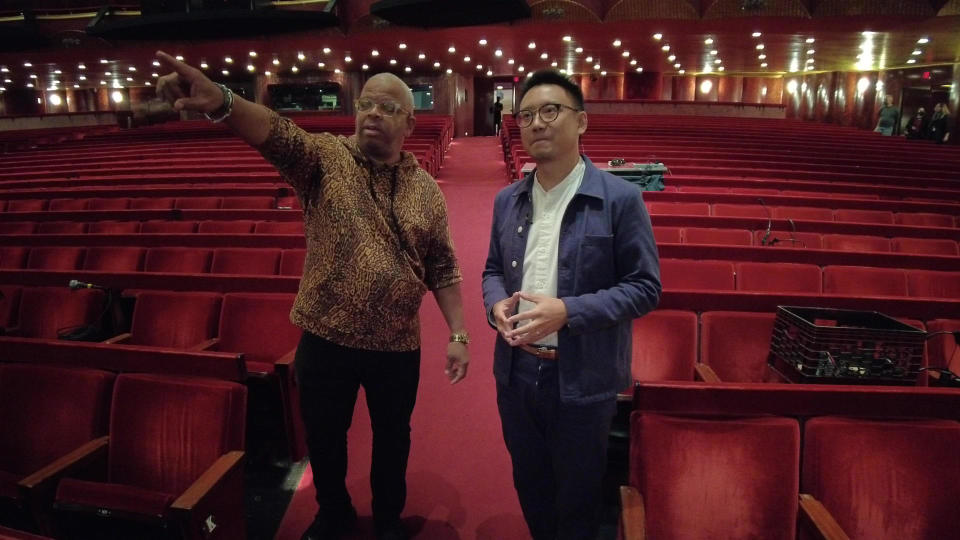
387, 108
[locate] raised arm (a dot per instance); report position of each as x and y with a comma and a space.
187, 88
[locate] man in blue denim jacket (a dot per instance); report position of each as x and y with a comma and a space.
572, 262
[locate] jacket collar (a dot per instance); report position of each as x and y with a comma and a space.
591, 185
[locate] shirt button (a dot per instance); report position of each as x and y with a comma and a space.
520, 229
513, 264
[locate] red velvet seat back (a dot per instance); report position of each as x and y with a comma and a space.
245, 261
885, 479
201, 203
45, 310
942, 350
61, 227
291, 262
805, 213
852, 242
925, 246
114, 227
716, 478
179, 260
724, 237
863, 280
49, 411
26, 205
174, 319
13, 257
245, 203
779, 277
55, 258
736, 344
168, 227
9, 304
924, 219
279, 227
165, 432
118, 203
114, 258
933, 284
679, 208
17, 227
239, 226
246, 319
688, 274
67, 205
863, 216
739, 210
664, 346
804, 240
151, 203
667, 235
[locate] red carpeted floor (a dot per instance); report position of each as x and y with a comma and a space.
459, 477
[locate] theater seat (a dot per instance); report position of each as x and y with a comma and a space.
933, 284
151, 203
279, 227
168, 227
885, 478
664, 346
735, 344
13, 257
239, 226
863, 216
805, 213
174, 463
667, 235
925, 246
679, 208
291, 262
9, 304
65, 409
197, 203
712, 478
858, 243
178, 260
777, 238
691, 274
924, 219
245, 203
179, 320
67, 205
723, 237
289, 202
17, 227
739, 210
113, 227
864, 281
943, 350
27, 205
245, 261
46, 310
115, 203
55, 258
60, 227
779, 277
114, 259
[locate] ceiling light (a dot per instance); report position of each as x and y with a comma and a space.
763, 65
498, 53
912, 61
578, 50
625, 54
588, 59
253, 54
917, 52
436, 64
633, 62
810, 40
402, 46
672, 57
267, 73
251, 68
705, 86
449, 71
544, 56
408, 69
131, 68
81, 66
603, 73
682, 71
658, 36
5, 70
596, 66
145, 83
717, 61
129, 79
179, 57
810, 51
154, 75
229, 60
452, 49
529, 74
759, 46
365, 67
30, 85
293, 69
677, 65
510, 61
326, 50
761, 56
27, 64
721, 68
553, 64
203, 65
393, 61
639, 70
482, 42
347, 59
923, 41
58, 72
479, 67
756, 34
276, 61
466, 59
567, 38
708, 41
489, 73
520, 69
422, 56
117, 97
809, 60
337, 70
616, 43
665, 48
374, 53
101, 82
714, 52
32, 76
301, 57
8, 81
563, 71
103, 60
531, 45
75, 85
225, 72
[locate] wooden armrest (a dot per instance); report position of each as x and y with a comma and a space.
205, 345
194, 495
933, 374
85, 454
705, 373
818, 520
118, 338
286, 360
633, 523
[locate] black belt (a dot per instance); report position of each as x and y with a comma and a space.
545, 353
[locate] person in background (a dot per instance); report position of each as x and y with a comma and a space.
917, 127
497, 110
939, 130
888, 119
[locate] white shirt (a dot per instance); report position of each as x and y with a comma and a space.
540, 259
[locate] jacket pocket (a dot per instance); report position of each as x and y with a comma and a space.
595, 264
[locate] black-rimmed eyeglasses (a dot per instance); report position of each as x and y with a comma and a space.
548, 113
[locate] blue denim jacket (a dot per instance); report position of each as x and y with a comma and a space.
608, 274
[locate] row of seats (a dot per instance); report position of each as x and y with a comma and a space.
65, 204
151, 481
241, 261
236, 226
669, 344
803, 213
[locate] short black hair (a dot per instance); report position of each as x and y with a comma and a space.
552, 76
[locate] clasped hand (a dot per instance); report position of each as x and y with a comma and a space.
548, 315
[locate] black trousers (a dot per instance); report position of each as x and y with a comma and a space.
329, 376
558, 450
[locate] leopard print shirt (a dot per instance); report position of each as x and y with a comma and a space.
377, 239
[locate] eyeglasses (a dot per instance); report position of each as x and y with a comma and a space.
548, 113
387, 108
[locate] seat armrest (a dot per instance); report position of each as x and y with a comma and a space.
705, 373
212, 507
286, 361
208, 345
633, 523
80, 457
121, 338
817, 520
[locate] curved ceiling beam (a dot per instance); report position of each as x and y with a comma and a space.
567, 10
632, 10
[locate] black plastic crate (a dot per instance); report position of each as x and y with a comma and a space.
822, 345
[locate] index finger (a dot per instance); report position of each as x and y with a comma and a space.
176, 65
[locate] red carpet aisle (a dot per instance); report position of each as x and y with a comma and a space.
459, 479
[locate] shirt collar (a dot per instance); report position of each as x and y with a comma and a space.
590, 186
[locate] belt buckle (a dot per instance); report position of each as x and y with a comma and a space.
542, 351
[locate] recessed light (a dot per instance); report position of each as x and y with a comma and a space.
347, 59
253, 54
721, 68
756, 34
489, 73
578, 50
75, 85
27, 64
923, 41
393, 61
567, 38
267, 73
810, 51
708, 41
810, 40
510, 61
30, 85
616, 43
479, 67
761, 56
529, 74
917, 52
408, 69
682, 71
103, 60
589, 59
531, 45
521, 69
154, 75
365, 67
449, 71
204, 65
563, 71
633, 62
402, 46
294, 69
596, 66
717, 61
178, 57
665, 48
498, 53
436, 64
131, 68
276, 61
603, 73
251, 68
482, 42
639, 70
714, 52
544, 56
466, 59
625, 54
225, 72
809, 60
658, 36
374, 53
130, 79
4, 69
763, 64
676, 65
229, 60
672, 57
301, 57
326, 50
421, 56
32, 76
912, 61
337, 70
759, 46
553, 64
452, 49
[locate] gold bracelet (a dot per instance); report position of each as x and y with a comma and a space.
460, 337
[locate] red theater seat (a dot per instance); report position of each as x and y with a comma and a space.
943, 350
933, 284
291, 262
864, 281
925, 246
885, 478
863, 216
245, 261
779, 277
712, 477
61, 227
739, 210
47, 412
13, 257
703, 189
14, 534
26, 205
174, 461
117, 203
17, 227
113, 227
44, 311
151, 203
67, 205
168, 227
279, 227
179, 260
679, 209
240, 226
197, 203
289, 202
245, 203
55, 258
735, 345
179, 320
667, 235
723, 237
690, 274
9, 304
858, 243
924, 219
664, 346
755, 191
114, 259
805, 213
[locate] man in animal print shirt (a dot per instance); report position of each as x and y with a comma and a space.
377, 240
